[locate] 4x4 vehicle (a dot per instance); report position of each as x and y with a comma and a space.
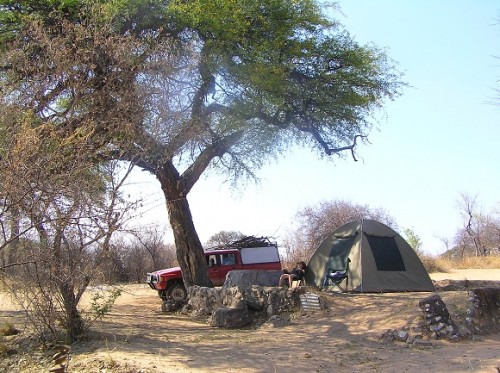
169, 284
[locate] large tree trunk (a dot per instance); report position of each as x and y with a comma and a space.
176, 188
188, 246
189, 249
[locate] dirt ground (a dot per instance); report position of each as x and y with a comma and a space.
136, 337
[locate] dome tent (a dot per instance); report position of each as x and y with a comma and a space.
381, 260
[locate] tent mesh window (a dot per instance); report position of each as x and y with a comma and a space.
386, 253
339, 252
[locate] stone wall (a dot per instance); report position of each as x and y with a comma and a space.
247, 297
483, 314
438, 318
483, 317
241, 305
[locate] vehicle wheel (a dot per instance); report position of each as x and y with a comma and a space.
178, 293
163, 294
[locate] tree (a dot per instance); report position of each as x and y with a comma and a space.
67, 224
148, 252
315, 223
472, 219
223, 238
413, 240
198, 85
480, 233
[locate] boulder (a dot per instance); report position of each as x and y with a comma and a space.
247, 277
230, 318
171, 305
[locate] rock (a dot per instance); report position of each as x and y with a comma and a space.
410, 339
401, 335
230, 318
171, 306
388, 336
252, 277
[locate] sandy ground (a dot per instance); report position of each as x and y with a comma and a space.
136, 337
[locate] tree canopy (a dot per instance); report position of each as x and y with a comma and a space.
180, 87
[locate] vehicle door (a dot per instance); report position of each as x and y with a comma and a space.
228, 263
214, 269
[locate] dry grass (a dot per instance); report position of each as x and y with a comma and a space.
473, 262
7, 329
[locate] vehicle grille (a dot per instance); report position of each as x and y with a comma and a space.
151, 278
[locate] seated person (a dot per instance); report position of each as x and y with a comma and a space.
295, 274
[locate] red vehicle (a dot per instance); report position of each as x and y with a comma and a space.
169, 284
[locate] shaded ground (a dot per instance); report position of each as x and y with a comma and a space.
137, 337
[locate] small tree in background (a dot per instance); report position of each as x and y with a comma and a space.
315, 223
223, 238
480, 234
147, 252
413, 240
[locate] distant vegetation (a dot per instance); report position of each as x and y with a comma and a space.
475, 244
446, 264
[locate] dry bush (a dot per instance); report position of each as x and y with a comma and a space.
7, 329
477, 262
5, 350
433, 264
444, 264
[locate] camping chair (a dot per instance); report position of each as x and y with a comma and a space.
336, 276
301, 281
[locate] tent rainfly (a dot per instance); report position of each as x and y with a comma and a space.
381, 260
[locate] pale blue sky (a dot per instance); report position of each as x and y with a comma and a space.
439, 139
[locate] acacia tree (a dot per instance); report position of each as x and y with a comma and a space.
229, 84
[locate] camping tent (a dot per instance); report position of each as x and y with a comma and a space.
381, 260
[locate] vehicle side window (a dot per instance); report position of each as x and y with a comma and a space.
228, 259
212, 260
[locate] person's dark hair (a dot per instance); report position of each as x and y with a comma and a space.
302, 264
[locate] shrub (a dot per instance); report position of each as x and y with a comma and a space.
8, 329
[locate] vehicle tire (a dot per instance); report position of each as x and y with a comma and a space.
177, 293
163, 294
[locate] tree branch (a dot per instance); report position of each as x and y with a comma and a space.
217, 149
351, 147
326, 147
